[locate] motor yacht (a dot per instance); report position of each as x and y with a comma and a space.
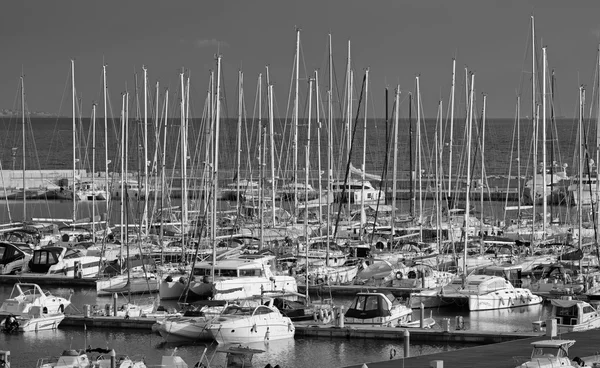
239, 324
69, 262
25, 296
484, 292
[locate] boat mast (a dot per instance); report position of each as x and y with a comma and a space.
544, 179
395, 171
163, 178
364, 153
534, 120
306, 171
23, 132
239, 142
581, 164
483, 117
468, 184
519, 160
271, 145
329, 142
438, 175
145, 215
216, 165
319, 188
183, 140
597, 154
419, 160
413, 177
260, 157
295, 143
106, 162
74, 142
121, 238
451, 128
93, 171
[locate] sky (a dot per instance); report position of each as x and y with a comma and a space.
397, 40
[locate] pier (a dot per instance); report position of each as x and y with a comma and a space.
507, 354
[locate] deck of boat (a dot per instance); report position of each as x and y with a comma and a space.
502, 355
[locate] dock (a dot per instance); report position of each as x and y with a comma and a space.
53, 280
507, 354
324, 289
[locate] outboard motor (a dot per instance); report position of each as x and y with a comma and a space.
10, 324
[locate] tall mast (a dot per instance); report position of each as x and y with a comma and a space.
597, 150
451, 128
216, 163
272, 148
413, 177
519, 158
74, 141
468, 185
419, 160
93, 170
104, 92
395, 167
349, 102
483, 117
23, 131
121, 239
329, 140
145, 216
239, 141
438, 174
306, 173
319, 188
261, 156
544, 179
534, 119
582, 159
183, 140
163, 161
295, 144
364, 153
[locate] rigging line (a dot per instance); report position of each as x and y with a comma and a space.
512, 148
338, 217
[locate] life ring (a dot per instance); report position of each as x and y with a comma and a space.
412, 275
399, 275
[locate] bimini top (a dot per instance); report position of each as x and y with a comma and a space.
553, 343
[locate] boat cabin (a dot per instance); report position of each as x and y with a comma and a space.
239, 356
45, 258
243, 266
555, 352
574, 313
13, 257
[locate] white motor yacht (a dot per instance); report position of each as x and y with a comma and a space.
484, 292
239, 324
24, 296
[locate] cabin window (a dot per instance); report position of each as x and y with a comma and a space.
227, 273
588, 309
262, 310
2, 251
566, 312
202, 272
251, 273
47, 258
72, 253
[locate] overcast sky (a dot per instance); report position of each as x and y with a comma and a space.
396, 39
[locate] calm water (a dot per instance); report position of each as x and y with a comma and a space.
27, 348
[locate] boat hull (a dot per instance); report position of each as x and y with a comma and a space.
251, 330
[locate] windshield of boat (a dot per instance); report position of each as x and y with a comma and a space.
539, 352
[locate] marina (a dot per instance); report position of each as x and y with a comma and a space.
242, 210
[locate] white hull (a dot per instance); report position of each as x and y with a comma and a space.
253, 329
47, 322
138, 284
228, 289
185, 329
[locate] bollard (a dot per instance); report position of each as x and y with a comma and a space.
406, 344
86, 310
115, 296
422, 324
436, 364
341, 317
113, 361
